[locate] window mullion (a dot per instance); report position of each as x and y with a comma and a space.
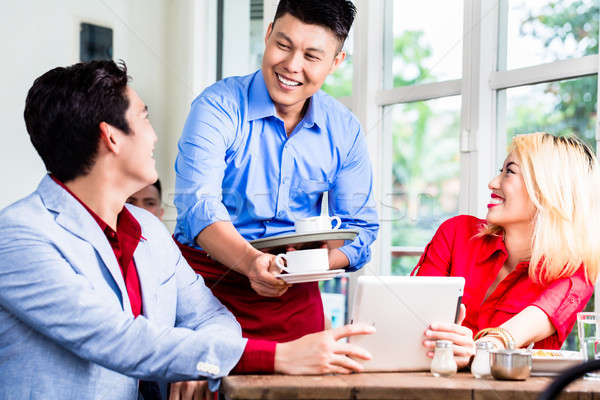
367, 80
554, 71
425, 91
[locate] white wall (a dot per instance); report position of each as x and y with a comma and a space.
151, 36
191, 66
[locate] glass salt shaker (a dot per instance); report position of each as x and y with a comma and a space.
480, 367
443, 363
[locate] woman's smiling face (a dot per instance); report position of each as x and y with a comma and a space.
510, 203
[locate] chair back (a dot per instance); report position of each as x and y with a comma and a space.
566, 377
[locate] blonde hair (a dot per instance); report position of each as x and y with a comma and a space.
562, 178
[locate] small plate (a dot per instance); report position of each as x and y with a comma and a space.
553, 362
302, 238
302, 277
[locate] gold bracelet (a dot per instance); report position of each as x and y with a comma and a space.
482, 333
492, 331
504, 335
510, 340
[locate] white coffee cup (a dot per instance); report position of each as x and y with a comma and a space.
310, 260
317, 224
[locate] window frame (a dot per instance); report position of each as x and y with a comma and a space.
480, 88
485, 33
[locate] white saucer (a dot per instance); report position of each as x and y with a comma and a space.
302, 277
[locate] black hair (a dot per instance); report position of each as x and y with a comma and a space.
158, 187
64, 109
336, 15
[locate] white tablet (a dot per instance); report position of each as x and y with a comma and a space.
401, 308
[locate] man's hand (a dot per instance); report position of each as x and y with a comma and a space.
224, 243
262, 275
321, 353
190, 390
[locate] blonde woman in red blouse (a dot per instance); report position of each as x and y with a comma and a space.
530, 266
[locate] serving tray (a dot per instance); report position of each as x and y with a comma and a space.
303, 238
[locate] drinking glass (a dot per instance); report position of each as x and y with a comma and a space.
588, 325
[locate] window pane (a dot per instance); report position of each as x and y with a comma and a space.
564, 107
427, 42
572, 341
257, 36
425, 168
241, 48
404, 265
339, 83
542, 31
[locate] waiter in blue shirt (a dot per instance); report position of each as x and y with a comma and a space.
257, 152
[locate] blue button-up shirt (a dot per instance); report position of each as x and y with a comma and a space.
236, 163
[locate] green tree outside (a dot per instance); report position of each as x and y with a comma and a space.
575, 104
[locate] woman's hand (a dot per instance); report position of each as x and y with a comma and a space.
462, 337
321, 353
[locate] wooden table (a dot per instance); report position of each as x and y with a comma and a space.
398, 386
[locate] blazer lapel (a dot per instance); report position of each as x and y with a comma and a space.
72, 216
143, 263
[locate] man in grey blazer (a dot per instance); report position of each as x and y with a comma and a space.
95, 295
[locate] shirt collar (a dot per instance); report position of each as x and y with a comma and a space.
314, 113
491, 244
126, 222
260, 104
103, 225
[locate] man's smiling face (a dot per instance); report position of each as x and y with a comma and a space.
297, 59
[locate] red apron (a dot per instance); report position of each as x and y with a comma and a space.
297, 312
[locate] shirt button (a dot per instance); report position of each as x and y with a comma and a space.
280, 214
285, 180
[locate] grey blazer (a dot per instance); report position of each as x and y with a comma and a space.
66, 327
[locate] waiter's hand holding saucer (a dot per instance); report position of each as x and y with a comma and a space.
223, 239
262, 275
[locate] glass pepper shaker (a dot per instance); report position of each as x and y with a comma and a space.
443, 363
480, 367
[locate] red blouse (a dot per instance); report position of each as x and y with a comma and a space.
455, 251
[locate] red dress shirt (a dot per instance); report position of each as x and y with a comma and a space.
123, 242
258, 356
455, 251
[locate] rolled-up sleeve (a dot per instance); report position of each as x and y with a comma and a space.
200, 165
354, 203
563, 299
